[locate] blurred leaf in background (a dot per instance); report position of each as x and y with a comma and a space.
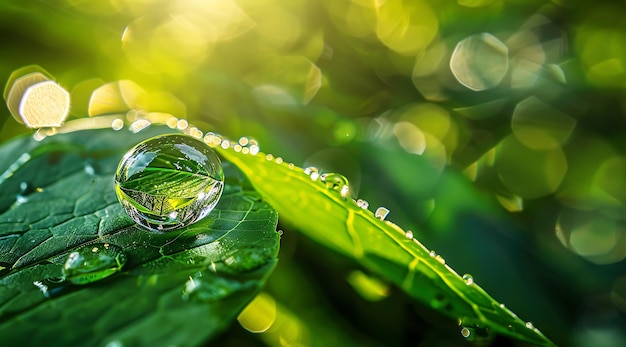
491, 128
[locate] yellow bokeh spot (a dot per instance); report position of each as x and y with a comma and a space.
406, 27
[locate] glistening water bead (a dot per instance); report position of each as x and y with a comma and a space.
169, 181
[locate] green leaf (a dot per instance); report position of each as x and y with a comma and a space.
176, 288
336, 221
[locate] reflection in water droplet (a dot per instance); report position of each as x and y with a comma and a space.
93, 262
362, 204
169, 181
469, 280
381, 213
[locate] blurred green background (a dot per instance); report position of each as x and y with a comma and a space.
493, 129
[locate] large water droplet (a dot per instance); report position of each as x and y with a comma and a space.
169, 182
93, 262
530, 325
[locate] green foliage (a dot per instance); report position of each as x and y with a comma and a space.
180, 287
321, 210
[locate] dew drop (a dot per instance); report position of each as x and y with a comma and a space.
530, 325
362, 204
469, 280
169, 181
225, 144
245, 150
336, 182
202, 289
243, 141
432, 254
466, 332
117, 124
381, 213
408, 234
93, 262
502, 306
269, 157
254, 149
312, 172
279, 160
237, 148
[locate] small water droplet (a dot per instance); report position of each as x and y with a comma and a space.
279, 160
312, 172
167, 174
469, 280
409, 234
225, 144
182, 124
89, 169
117, 124
245, 150
362, 204
502, 306
243, 141
381, 213
237, 148
212, 140
432, 254
254, 149
139, 125
93, 262
269, 157
204, 289
336, 182
466, 332
530, 325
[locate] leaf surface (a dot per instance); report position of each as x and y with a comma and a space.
176, 288
337, 222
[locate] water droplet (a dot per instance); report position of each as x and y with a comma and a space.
362, 204
269, 157
409, 234
243, 141
169, 181
432, 254
279, 160
312, 172
254, 149
502, 306
336, 182
117, 124
245, 150
530, 325
225, 144
93, 262
237, 148
469, 280
381, 213
466, 332
204, 288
